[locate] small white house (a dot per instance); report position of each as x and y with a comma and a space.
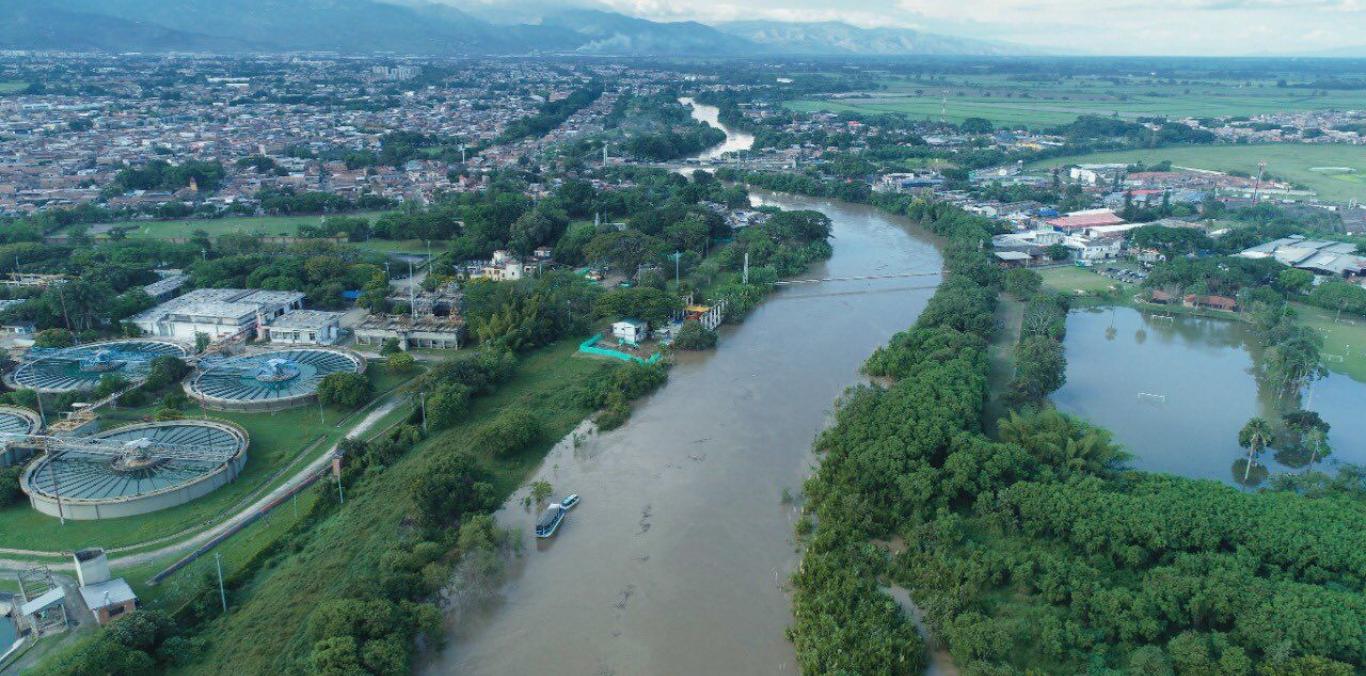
631, 330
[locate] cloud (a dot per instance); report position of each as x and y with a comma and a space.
1155, 27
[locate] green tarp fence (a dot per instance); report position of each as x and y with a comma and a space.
590, 346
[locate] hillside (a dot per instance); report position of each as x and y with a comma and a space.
831, 38
426, 28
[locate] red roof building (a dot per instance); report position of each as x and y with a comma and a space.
1090, 218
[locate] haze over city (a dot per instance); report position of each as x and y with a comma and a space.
905, 338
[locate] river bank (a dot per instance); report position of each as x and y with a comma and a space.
678, 558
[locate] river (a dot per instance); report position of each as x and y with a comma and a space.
736, 140
1175, 392
678, 558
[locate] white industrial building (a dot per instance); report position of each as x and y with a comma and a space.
1321, 257
220, 313
304, 327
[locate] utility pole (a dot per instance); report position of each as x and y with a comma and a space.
43, 417
412, 293
56, 487
1257, 187
222, 595
341, 496
422, 399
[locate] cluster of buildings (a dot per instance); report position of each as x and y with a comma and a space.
1306, 126
229, 315
432, 320
1086, 236
47, 605
64, 148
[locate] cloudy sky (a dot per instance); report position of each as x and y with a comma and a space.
1169, 27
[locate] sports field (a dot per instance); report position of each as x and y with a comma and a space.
1046, 103
1295, 162
1071, 279
11, 86
246, 225
1344, 339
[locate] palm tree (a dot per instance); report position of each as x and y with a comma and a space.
1317, 440
1255, 436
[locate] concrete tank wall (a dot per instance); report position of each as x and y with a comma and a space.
83, 510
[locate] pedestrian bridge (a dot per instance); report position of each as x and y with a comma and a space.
859, 278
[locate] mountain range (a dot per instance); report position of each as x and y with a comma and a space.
832, 37
423, 28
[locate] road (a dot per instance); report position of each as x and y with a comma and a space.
318, 464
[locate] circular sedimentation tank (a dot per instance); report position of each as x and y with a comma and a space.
15, 423
82, 367
139, 468
269, 381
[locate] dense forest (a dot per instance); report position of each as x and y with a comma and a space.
1037, 550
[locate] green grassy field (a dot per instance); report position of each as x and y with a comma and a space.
1070, 279
265, 631
276, 440
1290, 161
247, 225
412, 246
11, 86
1342, 337
1034, 104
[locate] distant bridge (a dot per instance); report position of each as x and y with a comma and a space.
899, 275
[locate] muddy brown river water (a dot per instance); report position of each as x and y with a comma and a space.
678, 558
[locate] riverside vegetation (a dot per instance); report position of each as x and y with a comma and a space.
357, 587
1038, 551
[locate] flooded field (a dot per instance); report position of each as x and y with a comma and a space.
1176, 391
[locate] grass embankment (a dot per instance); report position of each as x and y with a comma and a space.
277, 439
240, 550
1290, 161
267, 629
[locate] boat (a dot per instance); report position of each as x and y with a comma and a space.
569, 501
550, 520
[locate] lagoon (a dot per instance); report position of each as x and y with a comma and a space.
1175, 392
